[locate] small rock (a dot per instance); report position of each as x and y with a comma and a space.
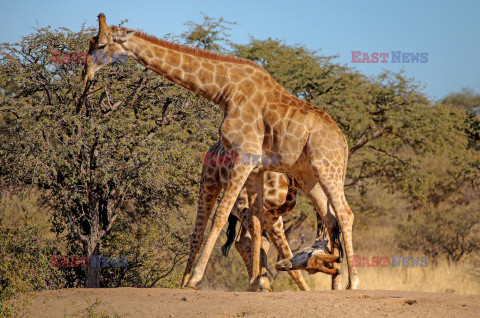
184, 299
410, 301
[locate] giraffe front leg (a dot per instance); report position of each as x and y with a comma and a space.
254, 185
237, 180
209, 190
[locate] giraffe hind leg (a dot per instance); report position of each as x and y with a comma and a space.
255, 190
333, 188
326, 220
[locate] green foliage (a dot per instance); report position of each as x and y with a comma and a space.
131, 140
301, 71
443, 231
153, 255
210, 35
25, 263
468, 101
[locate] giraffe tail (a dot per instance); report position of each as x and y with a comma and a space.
231, 234
322, 233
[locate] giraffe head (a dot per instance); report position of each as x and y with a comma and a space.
104, 47
312, 259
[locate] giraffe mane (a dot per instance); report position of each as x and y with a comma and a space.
193, 51
216, 57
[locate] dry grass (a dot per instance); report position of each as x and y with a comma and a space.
444, 277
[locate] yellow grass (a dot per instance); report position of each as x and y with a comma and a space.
444, 277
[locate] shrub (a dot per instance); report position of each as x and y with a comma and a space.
25, 263
451, 231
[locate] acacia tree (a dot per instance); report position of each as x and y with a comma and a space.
126, 147
468, 101
210, 35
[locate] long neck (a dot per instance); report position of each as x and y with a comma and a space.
198, 74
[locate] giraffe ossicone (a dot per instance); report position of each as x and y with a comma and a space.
260, 117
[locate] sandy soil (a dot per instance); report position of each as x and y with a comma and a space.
158, 302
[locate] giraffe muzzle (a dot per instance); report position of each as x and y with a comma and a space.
284, 265
314, 259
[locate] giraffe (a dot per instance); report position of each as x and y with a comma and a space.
261, 118
279, 198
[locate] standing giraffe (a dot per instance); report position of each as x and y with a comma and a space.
279, 198
261, 118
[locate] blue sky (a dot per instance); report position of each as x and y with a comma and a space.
449, 31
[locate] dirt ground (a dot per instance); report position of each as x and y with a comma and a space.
159, 302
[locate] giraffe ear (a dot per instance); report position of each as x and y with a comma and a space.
121, 36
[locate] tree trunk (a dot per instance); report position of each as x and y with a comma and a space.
92, 279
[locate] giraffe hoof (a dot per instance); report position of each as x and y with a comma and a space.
353, 282
189, 287
265, 290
